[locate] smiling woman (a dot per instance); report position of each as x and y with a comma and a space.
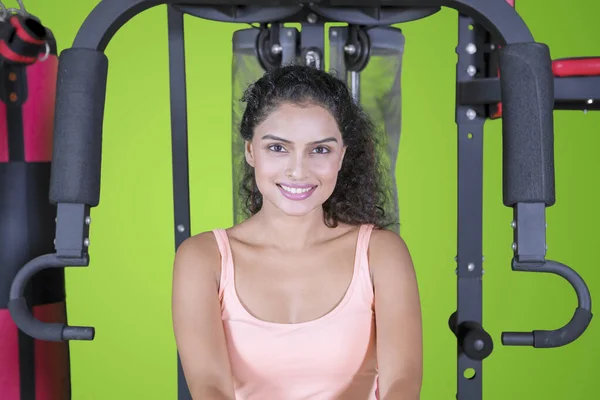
316, 110
310, 297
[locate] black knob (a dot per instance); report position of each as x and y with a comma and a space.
474, 341
452, 322
477, 344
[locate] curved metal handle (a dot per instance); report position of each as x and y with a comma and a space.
21, 314
573, 329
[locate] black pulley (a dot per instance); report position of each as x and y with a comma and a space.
268, 48
357, 50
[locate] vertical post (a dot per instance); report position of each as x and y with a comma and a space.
312, 42
179, 140
470, 121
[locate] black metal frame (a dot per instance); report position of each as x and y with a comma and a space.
494, 22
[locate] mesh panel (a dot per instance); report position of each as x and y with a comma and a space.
380, 96
245, 70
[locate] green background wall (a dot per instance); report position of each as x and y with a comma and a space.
125, 293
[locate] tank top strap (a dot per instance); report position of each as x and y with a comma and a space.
362, 244
226, 259
362, 257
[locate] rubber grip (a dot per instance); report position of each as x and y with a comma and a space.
565, 335
527, 90
51, 332
77, 151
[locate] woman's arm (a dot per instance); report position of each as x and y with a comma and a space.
398, 317
197, 319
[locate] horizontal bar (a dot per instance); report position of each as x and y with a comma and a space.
497, 17
570, 93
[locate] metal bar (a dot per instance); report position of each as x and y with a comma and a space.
470, 199
498, 17
530, 232
570, 93
179, 138
312, 42
72, 230
337, 38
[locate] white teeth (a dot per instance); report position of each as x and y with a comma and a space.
295, 190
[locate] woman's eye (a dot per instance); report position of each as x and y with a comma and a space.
321, 150
276, 148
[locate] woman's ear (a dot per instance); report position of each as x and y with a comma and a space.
249, 151
342, 157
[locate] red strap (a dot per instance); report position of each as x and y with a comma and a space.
9, 54
511, 2
579, 66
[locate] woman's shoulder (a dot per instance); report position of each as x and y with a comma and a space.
198, 253
387, 249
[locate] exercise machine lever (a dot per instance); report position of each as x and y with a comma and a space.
21, 313
573, 329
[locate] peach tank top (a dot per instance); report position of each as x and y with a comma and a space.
332, 357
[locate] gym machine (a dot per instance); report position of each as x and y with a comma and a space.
492, 39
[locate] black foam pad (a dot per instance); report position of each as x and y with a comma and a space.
527, 85
77, 152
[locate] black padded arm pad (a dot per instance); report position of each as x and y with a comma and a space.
527, 86
77, 152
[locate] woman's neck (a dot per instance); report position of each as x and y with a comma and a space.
290, 232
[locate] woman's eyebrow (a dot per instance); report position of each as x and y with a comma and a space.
272, 137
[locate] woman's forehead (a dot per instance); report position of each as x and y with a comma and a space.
299, 123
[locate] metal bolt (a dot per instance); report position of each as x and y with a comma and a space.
276, 49
471, 114
471, 267
312, 18
482, 258
471, 70
471, 48
514, 246
479, 345
350, 49
482, 271
54, 242
313, 59
180, 228
456, 258
590, 101
88, 220
289, 33
334, 33
86, 242
513, 224
456, 271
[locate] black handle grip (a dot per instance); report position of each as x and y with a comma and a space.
21, 314
573, 329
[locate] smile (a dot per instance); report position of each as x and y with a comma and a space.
296, 193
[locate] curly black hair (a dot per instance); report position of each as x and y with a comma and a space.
360, 195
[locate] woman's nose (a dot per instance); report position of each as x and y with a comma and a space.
296, 168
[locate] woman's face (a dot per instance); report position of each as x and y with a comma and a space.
296, 153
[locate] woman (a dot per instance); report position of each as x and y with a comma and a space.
310, 297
